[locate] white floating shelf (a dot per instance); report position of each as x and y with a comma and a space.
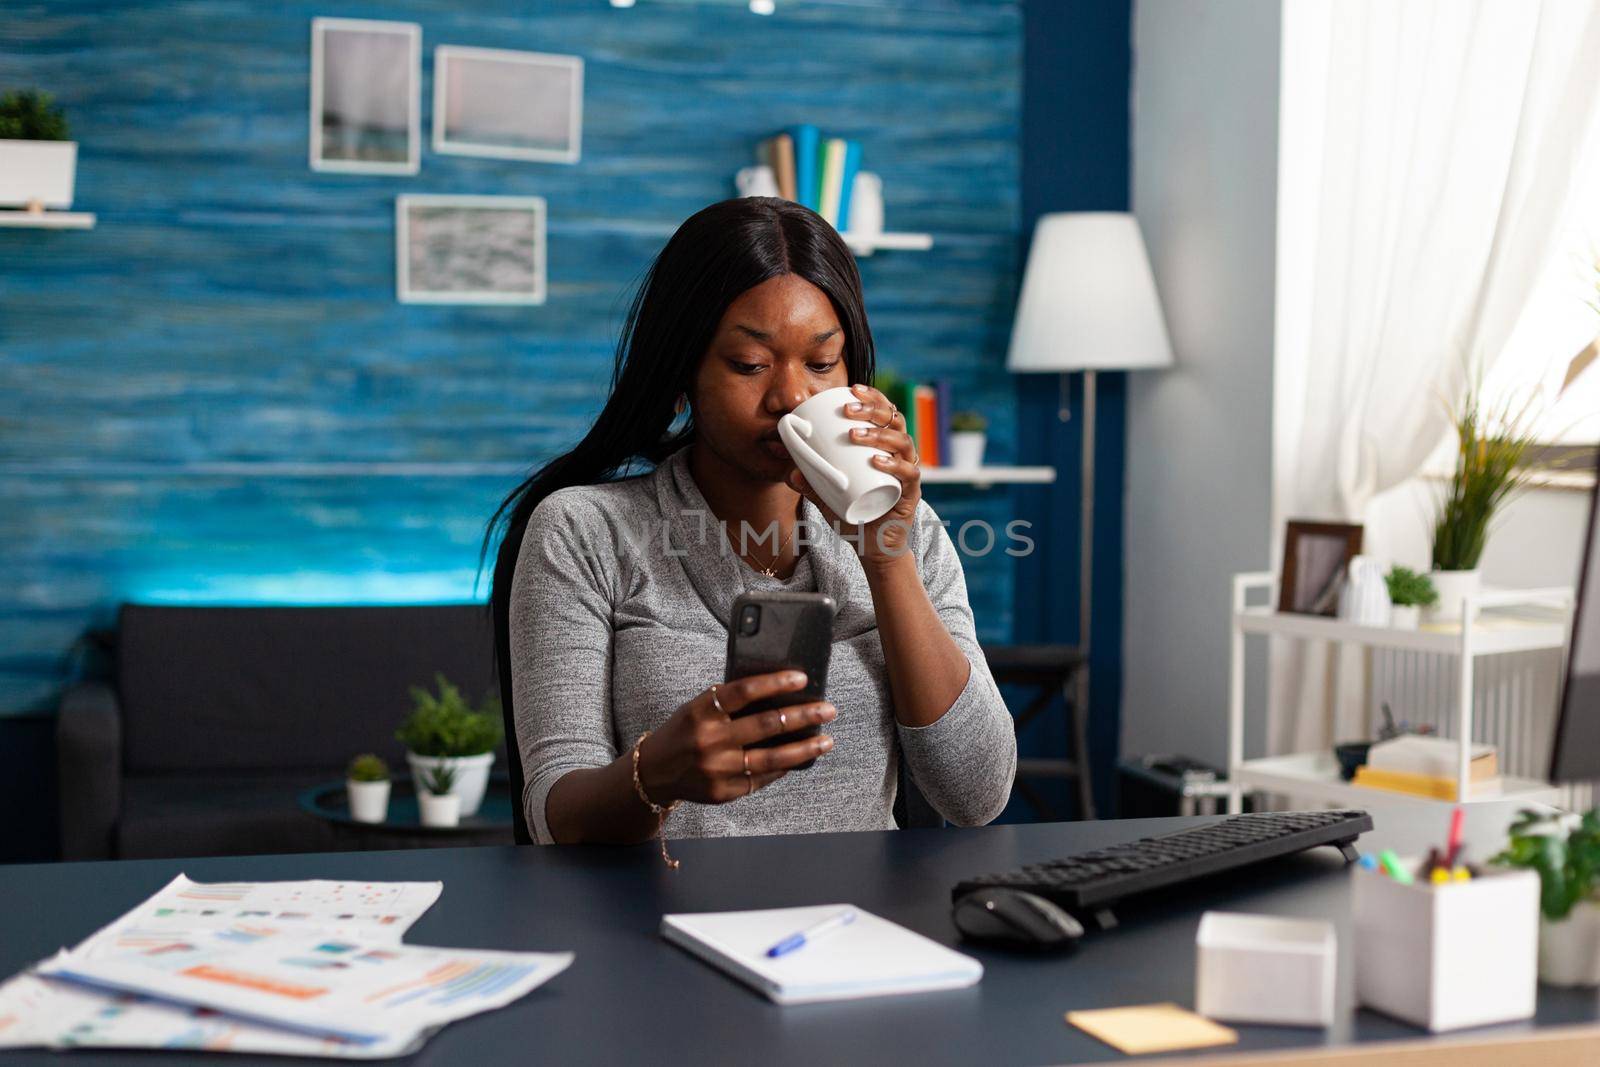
986, 476
1315, 775
864, 244
1495, 631
48, 220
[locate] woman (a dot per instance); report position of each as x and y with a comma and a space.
611, 596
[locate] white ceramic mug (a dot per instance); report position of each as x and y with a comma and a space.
817, 435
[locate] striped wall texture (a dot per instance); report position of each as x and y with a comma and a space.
213, 396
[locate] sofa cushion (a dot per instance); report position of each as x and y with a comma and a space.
284, 689
222, 816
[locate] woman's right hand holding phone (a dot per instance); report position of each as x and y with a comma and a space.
702, 752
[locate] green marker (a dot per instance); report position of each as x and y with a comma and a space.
1391, 863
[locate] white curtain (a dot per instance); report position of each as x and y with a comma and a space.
1429, 151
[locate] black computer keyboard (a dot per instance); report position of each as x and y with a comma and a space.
1093, 880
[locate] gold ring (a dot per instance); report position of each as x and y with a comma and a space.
746, 755
715, 702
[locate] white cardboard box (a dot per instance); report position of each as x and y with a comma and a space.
1460, 954
1265, 969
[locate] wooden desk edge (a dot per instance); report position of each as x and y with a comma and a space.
1556, 1046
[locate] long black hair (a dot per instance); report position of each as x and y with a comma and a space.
717, 254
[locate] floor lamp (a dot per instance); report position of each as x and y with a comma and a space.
1088, 303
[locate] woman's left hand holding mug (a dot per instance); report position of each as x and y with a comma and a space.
882, 427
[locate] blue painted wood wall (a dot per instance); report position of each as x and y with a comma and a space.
213, 395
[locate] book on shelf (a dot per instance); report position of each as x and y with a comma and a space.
926, 407
832, 185
1424, 785
1432, 757
814, 171
941, 388
847, 184
806, 138
927, 439
779, 155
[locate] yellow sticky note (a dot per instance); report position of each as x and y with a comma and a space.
1151, 1028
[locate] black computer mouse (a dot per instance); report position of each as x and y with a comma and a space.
1014, 919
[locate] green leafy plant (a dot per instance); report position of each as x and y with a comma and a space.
1488, 472
1407, 588
968, 422
447, 725
440, 780
1564, 849
31, 115
368, 768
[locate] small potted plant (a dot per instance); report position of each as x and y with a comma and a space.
437, 801
1492, 443
445, 728
1409, 593
37, 162
367, 785
1565, 850
968, 434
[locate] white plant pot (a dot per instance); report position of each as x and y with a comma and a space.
369, 801
39, 171
1569, 950
442, 810
1405, 616
966, 450
472, 776
1453, 587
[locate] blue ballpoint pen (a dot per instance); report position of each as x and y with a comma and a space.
811, 933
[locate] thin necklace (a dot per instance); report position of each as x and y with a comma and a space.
770, 569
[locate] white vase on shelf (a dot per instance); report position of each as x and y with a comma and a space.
1405, 616
37, 173
1453, 588
966, 450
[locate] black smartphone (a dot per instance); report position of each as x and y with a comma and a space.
776, 632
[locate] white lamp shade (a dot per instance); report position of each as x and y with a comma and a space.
1088, 298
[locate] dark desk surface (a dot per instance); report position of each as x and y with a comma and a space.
631, 998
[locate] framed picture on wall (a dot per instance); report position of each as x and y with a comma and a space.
469, 249
510, 105
366, 96
1316, 560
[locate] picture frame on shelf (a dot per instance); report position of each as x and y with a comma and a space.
1316, 560
469, 249
507, 104
366, 96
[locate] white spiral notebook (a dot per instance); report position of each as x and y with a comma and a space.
872, 957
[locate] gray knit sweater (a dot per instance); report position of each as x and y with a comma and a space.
612, 628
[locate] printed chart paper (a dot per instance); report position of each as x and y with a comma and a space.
326, 986
50, 1013
37, 1012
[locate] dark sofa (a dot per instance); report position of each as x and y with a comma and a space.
217, 717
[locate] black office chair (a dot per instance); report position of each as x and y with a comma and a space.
1054, 669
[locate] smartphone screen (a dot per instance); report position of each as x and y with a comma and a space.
782, 631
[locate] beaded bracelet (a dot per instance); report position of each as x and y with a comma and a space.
661, 812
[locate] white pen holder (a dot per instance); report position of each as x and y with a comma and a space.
1444, 957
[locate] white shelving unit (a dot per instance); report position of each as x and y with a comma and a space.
864, 244
983, 477
48, 220
1519, 620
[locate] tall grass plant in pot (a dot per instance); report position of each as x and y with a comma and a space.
38, 164
444, 728
1492, 442
1565, 851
